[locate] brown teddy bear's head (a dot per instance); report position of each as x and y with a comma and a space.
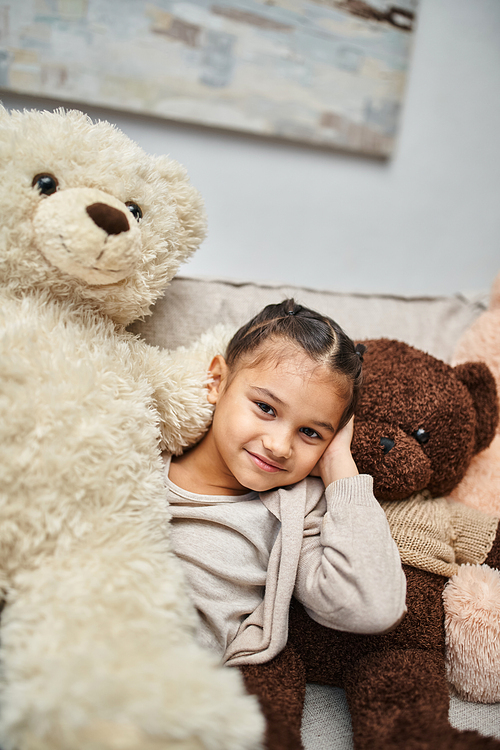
419, 420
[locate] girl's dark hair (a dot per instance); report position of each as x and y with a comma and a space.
318, 335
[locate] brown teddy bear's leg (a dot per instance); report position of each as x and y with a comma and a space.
403, 695
280, 686
395, 683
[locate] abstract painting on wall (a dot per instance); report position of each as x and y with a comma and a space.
325, 72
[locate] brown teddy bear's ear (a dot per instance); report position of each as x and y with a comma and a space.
477, 378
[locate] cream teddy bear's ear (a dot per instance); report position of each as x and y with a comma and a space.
189, 204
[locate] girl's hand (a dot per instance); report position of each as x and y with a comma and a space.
337, 461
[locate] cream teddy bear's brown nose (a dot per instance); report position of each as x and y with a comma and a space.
111, 219
88, 234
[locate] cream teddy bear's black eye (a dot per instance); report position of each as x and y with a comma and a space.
134, 209
46, 183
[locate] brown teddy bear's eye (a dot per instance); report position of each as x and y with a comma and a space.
134, 209
421, 436
46, 183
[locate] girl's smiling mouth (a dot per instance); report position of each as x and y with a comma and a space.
264, 464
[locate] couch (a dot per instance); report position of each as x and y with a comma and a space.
434, 324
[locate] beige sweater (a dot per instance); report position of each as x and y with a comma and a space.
245, 556
439, 535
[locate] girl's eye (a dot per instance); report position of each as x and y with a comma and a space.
309, 432
265, 408
135, 210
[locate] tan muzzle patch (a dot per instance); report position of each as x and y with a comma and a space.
88, 234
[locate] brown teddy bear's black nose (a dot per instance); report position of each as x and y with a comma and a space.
111, 219
387, 444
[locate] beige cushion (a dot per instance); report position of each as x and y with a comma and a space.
192, 305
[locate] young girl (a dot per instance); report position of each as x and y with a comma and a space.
253, 527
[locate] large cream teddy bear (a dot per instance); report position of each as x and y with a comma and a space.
97, 647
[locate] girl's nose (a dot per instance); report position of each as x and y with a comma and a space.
279, 443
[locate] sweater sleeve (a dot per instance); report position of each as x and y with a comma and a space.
474, 535
349, 575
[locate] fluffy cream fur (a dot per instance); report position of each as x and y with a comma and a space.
472, 605
97, 647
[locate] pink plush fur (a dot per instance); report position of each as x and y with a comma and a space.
480, 486
472, 620
472, 596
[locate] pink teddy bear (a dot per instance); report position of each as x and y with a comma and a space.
480, 487
472, 596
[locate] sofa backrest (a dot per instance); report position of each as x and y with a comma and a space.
193, 305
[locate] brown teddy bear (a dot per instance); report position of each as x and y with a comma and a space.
418, 425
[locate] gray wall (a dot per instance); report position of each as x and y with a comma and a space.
426, 222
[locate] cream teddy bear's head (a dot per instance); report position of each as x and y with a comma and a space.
88, 218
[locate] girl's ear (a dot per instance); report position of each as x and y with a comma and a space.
217, 372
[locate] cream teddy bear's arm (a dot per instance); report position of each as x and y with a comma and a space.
179, 380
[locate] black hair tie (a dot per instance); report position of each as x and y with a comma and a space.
360, 349
292, 308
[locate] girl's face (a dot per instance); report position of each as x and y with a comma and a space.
273, 420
